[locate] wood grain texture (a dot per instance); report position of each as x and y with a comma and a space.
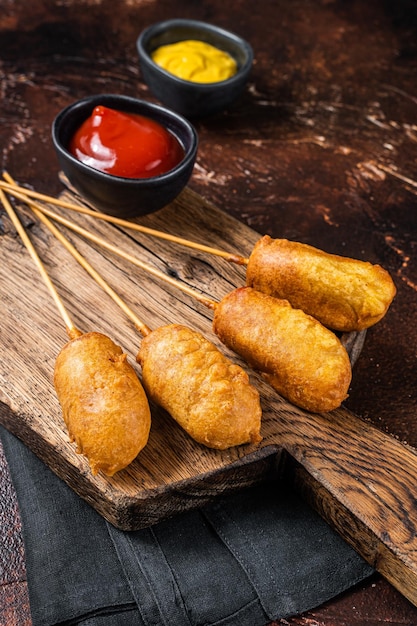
360, 479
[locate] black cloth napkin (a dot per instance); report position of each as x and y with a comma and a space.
244, 560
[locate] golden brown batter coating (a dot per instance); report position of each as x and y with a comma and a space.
304, 361
103, 402
342, 293
208, 395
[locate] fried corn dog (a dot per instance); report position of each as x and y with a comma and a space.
104, 405
304, 361
342, 293
207, 394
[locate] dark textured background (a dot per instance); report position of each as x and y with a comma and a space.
322, 148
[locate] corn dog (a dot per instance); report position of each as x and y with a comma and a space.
304, 361
342, 293
104, 406
208, 395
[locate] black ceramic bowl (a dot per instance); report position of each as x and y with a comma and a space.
124, 197
186, 97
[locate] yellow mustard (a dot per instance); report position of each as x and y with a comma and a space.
195, 61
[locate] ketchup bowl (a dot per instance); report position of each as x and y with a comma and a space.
120, 191
187, 97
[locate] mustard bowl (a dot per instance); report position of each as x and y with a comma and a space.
189, 98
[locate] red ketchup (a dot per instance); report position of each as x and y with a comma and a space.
125, 144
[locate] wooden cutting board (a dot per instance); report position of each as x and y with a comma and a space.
363, 482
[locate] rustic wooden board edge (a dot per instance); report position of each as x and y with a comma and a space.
131, 513
248, 471
368, 544
363, 482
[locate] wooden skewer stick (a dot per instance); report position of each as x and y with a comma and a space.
143, 329
16, 190
72, 331
211, 304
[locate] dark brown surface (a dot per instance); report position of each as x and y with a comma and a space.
322, 148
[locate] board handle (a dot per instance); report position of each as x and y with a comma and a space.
363, 482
